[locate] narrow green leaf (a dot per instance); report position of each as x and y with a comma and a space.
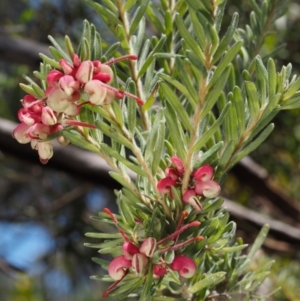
221, 4
210, 132
168, 22
238, 102
259, 241
212, 207
253, 145
118, 112
153, 15
78, 140
103, 235
110, 19
232, 249
55, 54
96, 45
230, 55
146, 292
231, 123
69, 46
184, 70
128, 286
112, 243
111, 6
49, 61
126, 213
103, 263
151, 139
121, 34
294, 103
188, 38
205, 157
226, 155
175, 131
128, 4
39, 75
114, 134
214, 37
195, 4
120, 179
104, 278
215, 93
111, 50
159, 147
226, 39
108, 150
180, 87
177, 106
131, 110
139, 37
292, 89
144, 53
261, 80
208, 281
252, 99
150, 57
139, 13
256, 8
59, 49
198, 29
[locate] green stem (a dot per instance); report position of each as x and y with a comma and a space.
194, 136
140, 158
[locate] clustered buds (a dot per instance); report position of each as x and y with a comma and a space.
200, 184
62, 102
137, 258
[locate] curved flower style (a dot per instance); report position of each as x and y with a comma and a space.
117, 267
184, 265
209, 189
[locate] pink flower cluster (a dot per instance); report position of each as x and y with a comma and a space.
137, 258
200, 184
42, 117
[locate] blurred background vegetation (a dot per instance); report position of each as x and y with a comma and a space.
44, 212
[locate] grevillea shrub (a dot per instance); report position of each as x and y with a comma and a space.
177, 109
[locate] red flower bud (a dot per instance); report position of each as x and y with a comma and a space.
178, 164
164, 185
129, 249
139, 264
148, 247
159, 270
85, 72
